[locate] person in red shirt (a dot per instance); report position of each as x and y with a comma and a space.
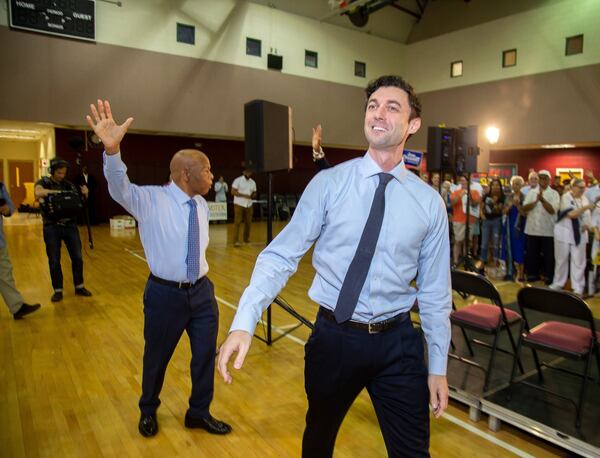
458, 200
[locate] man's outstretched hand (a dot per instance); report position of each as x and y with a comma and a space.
105, 126
237, 342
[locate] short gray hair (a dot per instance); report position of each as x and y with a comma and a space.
517, 179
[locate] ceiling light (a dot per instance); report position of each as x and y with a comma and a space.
558, 145
18, 137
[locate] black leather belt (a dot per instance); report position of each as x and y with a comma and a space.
371, 328
175, 284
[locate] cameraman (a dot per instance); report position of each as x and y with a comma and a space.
12, 297
60, 228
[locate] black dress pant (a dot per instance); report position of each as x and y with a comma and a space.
340, 361
168, 311
539, 257
54, 235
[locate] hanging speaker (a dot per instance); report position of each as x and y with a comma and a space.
465, 156
268, 136
440, 149
274, 62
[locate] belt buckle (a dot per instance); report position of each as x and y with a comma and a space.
372, 327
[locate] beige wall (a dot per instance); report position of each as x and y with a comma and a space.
221, 28
18, 151
54, 80
554, 107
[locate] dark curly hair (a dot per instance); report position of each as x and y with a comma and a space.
396, 81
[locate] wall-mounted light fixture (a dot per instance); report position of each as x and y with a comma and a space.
492, 134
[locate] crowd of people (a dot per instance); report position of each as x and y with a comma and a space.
543, 230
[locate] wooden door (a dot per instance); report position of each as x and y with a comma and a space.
19, 173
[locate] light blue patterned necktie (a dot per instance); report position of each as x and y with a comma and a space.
193, 246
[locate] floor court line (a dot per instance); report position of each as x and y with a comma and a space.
447, 416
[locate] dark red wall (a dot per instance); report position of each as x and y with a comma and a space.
148, 156
585, 158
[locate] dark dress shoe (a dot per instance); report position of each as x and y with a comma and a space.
148, 425
82, 292
25, 309
210, 424
57, 296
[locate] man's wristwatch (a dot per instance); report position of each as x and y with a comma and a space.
318, 154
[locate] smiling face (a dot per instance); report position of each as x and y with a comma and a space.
387, 115
544, 181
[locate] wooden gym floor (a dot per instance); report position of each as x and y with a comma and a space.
70, 374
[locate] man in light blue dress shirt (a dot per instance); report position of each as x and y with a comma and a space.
378, 348
173, 223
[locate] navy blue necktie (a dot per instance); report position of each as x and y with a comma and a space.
193, 245
359, 267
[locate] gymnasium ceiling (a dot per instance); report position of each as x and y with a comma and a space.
405, 21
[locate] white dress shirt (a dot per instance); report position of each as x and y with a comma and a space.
163, 216
563, 229
413, 243
245, 186
539, 222
592, 194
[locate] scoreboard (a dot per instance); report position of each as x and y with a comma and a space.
68, 18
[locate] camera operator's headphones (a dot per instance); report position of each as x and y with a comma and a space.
57, 163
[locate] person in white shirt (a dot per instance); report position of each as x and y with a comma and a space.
571, 238
243, 189
532, 183
221, 189
594, 252
593, 190
540, 205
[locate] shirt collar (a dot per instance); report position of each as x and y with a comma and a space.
368, 167
180, 197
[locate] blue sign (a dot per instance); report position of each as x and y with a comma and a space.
413, 158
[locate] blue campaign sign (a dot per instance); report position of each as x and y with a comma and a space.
413, 158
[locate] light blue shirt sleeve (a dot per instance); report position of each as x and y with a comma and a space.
11, 207
135, 199
9, 202
279, 260
434, 290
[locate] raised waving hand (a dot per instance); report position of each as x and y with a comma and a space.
317, 134
105, 126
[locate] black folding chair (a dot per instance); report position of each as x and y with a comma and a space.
562, 338
481, 317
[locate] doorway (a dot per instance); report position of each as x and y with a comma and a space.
19, 173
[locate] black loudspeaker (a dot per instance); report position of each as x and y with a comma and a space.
274, 62
268, 136
465, 155
452, 150
440, 149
